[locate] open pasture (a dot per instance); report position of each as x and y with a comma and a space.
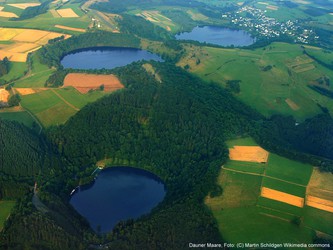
69, 28
85, 82
280, 88
23, 41
248, 153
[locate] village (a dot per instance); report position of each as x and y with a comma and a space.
256, 22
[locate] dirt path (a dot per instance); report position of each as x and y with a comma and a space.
264, 175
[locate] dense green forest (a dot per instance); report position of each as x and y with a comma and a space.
175, 129
4, 66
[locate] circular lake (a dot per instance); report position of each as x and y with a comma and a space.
106, 57
118, 193
219, 36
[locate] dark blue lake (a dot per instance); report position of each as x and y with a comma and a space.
219, 36
118, 193
106, 57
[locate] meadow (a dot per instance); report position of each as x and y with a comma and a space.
273, 79
244, 215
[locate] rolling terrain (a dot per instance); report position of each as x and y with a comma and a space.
242, 137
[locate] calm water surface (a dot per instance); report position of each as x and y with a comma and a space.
118, 193
106, 57
219, 36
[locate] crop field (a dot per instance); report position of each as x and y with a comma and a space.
67, 13
4, 95
5, 208
260, 201
37, 77
157, 18
24, 41
273, 79
69, 28
23, 6
248, 153
85, 82
56, 106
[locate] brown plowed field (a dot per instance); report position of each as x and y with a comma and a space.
248, 153
85, 82
282, 197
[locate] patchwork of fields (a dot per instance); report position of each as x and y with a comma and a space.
23, 41
277, 201
273, 79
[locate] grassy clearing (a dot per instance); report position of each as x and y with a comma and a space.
265, 90
288, 170
21, 117
5, 208
248, 141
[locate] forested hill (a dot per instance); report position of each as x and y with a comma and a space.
175, 129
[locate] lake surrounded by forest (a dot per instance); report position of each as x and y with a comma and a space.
218, 35
117, 194
106, 57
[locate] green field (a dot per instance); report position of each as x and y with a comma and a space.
56, 106
37, 76
252, 225
5, 208
16, 71
266, 90
288, 170
244, 216
21, 117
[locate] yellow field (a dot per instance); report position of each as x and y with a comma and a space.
7, 14
25, 41
25, 91
319, 203
23, 6
67, 13
248, 153
4, 94
291, 104
69, 28
282, 197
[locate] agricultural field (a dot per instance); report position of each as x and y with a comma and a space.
23, 41
56, 106
273, 79
86, 82
157, 18
277, 201
5, 208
